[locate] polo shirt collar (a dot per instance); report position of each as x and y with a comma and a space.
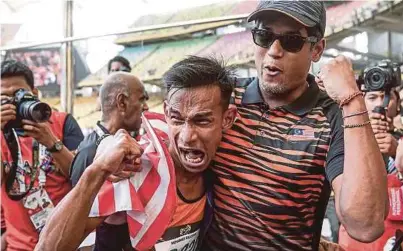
301, 106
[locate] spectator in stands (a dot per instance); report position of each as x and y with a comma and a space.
119, 63
290, 144
51, 142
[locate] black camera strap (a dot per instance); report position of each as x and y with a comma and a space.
15, 151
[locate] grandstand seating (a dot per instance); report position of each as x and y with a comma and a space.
237, 48
243, 7
167, 54
133, 54
338, 15
209, 11
233, 48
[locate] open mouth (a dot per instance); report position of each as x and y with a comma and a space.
193, 157
273, 70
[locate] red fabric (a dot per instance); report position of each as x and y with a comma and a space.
393, 222
21, 234
149, 197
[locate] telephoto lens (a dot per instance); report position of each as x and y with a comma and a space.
35, 111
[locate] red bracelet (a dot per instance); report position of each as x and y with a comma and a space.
349, 98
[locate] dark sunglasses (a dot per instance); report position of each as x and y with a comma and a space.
289, 42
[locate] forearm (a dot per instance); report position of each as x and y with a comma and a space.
66, 228
363, 190
63, 160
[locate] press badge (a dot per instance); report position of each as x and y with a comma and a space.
39, 206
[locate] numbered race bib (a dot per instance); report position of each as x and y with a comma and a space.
39, 207
186, 242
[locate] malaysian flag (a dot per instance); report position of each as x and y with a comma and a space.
149, 197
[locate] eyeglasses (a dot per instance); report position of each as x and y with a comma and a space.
289, 42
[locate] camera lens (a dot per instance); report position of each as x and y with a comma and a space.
35, 111
375, 79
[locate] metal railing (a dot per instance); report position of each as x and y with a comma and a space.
129, 31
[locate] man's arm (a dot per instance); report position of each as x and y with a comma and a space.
361, 191
69, 223
72, 136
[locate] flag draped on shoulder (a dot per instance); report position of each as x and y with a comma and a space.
149, 197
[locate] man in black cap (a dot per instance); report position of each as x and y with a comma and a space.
292, 143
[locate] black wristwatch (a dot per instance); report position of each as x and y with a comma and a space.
57, 147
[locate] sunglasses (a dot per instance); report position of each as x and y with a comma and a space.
289, 42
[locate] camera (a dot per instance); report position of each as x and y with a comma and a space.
382, 77
28, 107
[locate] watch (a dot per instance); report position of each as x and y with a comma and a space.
57, 147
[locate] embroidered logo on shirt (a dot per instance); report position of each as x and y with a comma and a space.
302, 133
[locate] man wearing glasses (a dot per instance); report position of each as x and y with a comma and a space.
292, 143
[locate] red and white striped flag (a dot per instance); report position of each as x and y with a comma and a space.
149, 197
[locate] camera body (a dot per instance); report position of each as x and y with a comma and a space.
382, 77
28, 107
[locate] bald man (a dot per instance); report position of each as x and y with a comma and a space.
123, 99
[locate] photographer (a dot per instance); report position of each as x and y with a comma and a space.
382, 100
36, 156
385, 133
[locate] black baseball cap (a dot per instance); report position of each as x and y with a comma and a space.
308, 13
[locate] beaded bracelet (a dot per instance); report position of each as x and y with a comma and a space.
349, 98
356, 125
355, 114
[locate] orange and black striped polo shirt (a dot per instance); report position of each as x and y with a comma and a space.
273, 171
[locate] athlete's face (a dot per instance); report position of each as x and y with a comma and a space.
196, 119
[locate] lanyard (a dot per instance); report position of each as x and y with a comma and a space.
101, 131
38, 155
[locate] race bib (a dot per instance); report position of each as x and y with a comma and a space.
39, 207
186, 242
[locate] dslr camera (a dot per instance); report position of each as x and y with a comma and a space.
28, 107
382, 77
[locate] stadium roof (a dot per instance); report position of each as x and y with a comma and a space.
344, 15
343, 20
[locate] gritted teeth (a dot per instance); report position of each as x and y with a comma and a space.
193, 156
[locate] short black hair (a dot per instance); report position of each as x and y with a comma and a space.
194, 71
314, 32
120, 59
13, 68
